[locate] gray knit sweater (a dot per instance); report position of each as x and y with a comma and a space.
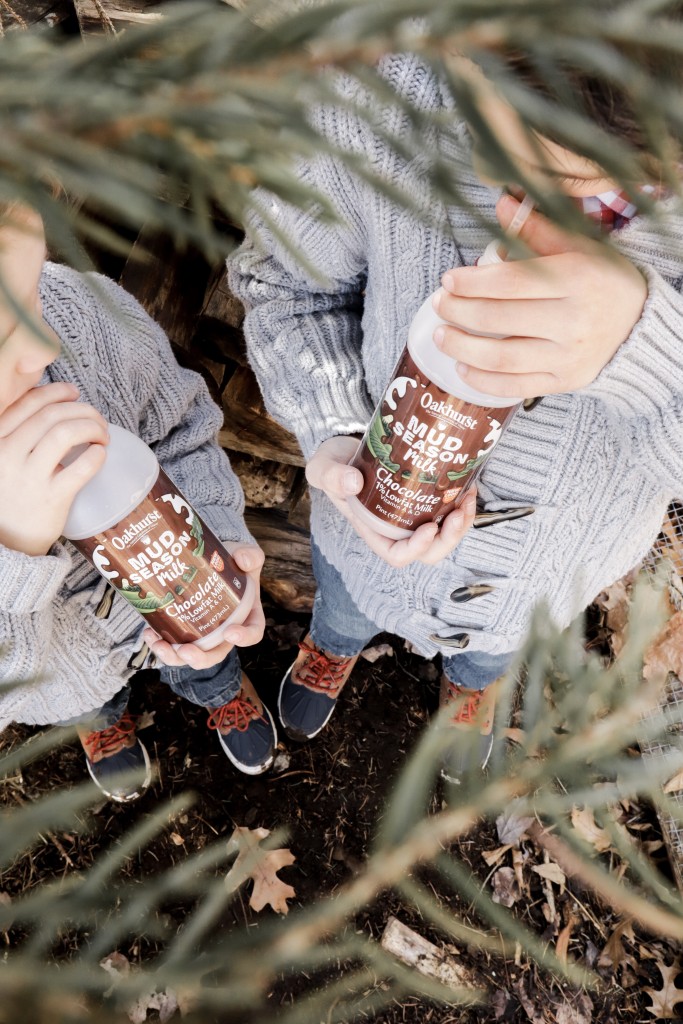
123, 365
599, 465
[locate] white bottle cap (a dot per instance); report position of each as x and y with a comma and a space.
490, 255
127, 476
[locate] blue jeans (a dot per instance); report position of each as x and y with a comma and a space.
208, 687
339, 627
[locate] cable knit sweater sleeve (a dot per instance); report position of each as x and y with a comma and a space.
643, 385
303, 322
178, 419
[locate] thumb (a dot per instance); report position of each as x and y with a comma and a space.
539, 233
249, 557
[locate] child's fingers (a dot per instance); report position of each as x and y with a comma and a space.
250, 631
61, 438
32, 402
249, 557
74, 477
195, 658
329, 471
453, 529
162, 650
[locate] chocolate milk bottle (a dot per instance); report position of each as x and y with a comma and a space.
431, 433
144, 537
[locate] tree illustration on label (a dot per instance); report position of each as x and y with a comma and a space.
380, 429
493, 436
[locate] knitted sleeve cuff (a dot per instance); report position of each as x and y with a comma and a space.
29, 583
646, 373
325, 424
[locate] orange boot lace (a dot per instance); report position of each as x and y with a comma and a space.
474, 708
110, 741
236, 714
320, 673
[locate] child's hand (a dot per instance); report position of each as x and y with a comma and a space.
36, 492
563, 315
329, 470
249, 559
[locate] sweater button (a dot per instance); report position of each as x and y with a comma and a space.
457, 640
462, 594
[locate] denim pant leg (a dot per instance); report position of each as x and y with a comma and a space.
477, 670
337, 625
208, 687
105, 716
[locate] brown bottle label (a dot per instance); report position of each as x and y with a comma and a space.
423, 449
169, 565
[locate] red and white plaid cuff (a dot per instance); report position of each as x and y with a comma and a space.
611, 210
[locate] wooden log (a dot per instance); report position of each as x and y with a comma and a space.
266, 484
300, 504
169, 284
220, 325
24, 13
287, 574
433, 961
111, 15
220, 303
248, 427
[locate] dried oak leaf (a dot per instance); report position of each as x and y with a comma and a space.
262, 866
587, 827
665, 653
616, 601
665, 999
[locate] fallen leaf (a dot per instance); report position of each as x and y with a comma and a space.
511, 827
563, 939
579, 1011
518, 861
262, 866
164, 1002
115, 964
553, 872
499, 1002
668, 996
617, 603
373, 654
675, 784
665, 653
585, 824
506, 889
535, 1015
281, 762
144, 720
493, 856
613, 953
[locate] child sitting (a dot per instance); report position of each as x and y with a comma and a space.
99, 358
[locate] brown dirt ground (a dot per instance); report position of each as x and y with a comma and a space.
329, 800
